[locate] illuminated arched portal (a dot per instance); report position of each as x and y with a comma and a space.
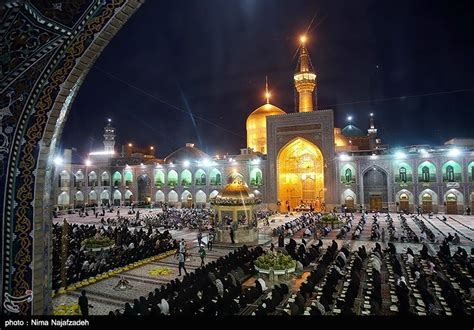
300, 174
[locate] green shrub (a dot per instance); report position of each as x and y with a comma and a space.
277, 262
97, 242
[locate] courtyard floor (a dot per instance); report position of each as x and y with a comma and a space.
105, 298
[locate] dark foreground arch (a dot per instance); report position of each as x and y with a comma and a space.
46, 49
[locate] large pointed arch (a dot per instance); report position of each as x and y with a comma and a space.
300, 173
375, 183
63, 42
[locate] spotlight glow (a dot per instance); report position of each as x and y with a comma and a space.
400, 155
58, 160
455, 152
344, 157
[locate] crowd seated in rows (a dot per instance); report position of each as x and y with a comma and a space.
129, 247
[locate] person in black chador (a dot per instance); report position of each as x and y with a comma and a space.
84, 304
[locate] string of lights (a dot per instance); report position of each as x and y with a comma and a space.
112, 76
403, 97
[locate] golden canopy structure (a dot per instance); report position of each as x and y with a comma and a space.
235, 208
257, 125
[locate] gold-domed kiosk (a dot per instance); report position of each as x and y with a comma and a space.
235, 208
257, 125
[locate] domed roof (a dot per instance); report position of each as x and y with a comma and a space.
262, 112
187, 153
237, 189
235, 193
352, 131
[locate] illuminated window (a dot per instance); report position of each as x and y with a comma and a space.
92, 179
450, 173
128, 178
348, 175
403, 174
117, 179
425, 174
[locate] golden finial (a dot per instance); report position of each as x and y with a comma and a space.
267, 93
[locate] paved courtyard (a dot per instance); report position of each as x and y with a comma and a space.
105, 298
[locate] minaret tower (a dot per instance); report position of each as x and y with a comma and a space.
109, 137
305, 80
372, 131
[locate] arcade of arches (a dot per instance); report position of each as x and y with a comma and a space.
300, 175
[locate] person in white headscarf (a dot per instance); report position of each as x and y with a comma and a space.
262, 283
220, 287
164, 307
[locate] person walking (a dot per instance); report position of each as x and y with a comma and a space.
202, 254
232, 235
84, 303
181, 265
199, 238
210, 241
383, 235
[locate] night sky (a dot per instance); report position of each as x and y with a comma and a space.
209, 58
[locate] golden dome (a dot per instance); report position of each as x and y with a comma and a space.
236, 189
235, 193
257, 126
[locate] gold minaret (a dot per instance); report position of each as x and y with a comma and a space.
305, 80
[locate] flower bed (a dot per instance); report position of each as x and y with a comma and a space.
112, 272
160, 271
278, 262
67, 310
329, 219
97, 243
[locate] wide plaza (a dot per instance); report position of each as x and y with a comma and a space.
105, 297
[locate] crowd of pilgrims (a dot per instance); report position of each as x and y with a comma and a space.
307, 221
213, 289
337, 276
405, 235
131, 245
442, 284
169, 218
